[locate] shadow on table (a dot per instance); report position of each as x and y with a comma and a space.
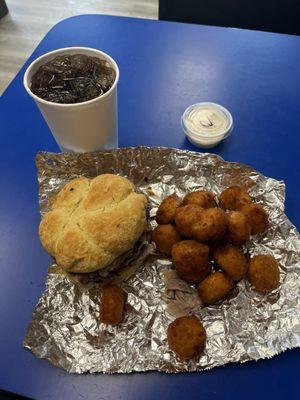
264, 15
10, 396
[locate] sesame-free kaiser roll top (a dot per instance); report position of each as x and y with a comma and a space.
92, 222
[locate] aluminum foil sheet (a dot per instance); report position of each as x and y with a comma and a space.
65, 327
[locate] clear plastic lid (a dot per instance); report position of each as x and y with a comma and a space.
206, 124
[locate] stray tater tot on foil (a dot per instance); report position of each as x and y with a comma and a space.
112, 305
185, 217
234, 198
259, 219
232, 261
190, 260
215, 287
187, 337
164, 237
264, 273
166, 211
202, 198
212, 225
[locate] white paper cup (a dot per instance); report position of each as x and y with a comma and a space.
80, 127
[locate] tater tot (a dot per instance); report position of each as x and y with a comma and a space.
232, 261
187, 337
190, 260
212, 225
233, 198
166, 211
185, 217
165, 236
264, 273
239, 227
258, 218
202, 198
214, 288
112, 305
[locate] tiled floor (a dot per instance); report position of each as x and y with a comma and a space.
29, 20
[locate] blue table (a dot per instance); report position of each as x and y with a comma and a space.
164, 68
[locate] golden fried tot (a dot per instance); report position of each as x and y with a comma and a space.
185, 217
187, 337
234, 198
212, 225
165, 236
258, 218
214, 288
112, 305
232, 261
264, 273
190, 260
239, 227
202, 198
166, 211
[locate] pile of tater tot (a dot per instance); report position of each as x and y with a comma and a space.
204, 236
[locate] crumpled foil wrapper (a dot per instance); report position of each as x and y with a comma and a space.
65, 327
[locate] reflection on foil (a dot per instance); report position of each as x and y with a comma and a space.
65, 327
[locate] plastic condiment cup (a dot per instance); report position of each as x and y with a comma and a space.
80, 127
206, 124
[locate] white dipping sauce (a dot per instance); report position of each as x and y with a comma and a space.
206, 124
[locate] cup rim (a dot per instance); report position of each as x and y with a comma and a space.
70, 105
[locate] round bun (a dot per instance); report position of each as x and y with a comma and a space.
92, 222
